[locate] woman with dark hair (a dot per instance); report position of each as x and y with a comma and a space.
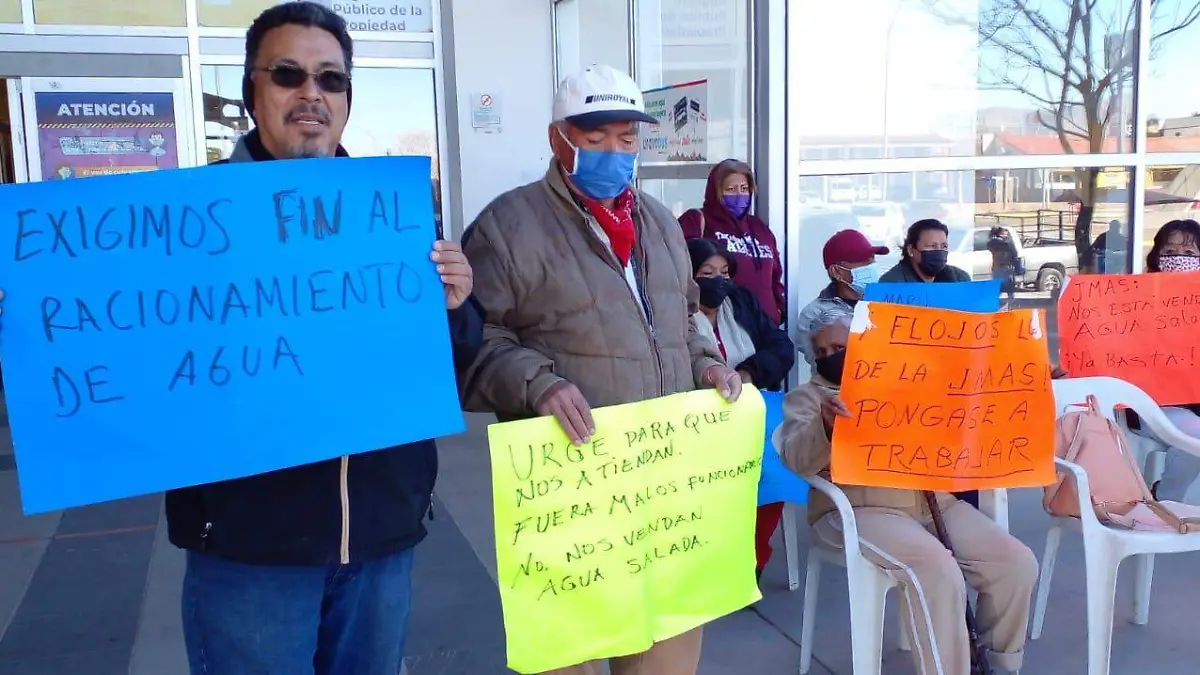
751, 342
925, 256
1176, 249
726, 219
1006, 263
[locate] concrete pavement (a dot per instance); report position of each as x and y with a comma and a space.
94, 591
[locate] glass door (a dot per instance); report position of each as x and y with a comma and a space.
80, 127
13, 164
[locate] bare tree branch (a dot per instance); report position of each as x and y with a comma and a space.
1074, 64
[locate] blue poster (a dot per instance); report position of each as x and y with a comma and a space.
965, 296
777, 482
175, 328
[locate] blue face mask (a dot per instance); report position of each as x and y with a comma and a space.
602, 174
861, 276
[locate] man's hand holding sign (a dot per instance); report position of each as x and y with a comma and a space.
941, 400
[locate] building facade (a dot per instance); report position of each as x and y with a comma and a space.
857, 113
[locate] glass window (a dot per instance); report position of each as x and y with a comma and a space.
1045, 213
996, 84
685, 41
123, 13
377, 126
377, 16
679, 195
225, 118
1168, 87
10, 11
591, 31
1172, 193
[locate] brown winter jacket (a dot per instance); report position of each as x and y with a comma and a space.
558, 305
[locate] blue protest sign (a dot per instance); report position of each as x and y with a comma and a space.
966, 296
173, 328
777, 483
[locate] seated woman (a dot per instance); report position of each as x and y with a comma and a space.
750, 341
924, 260
1176, 249
925, 256
896, 531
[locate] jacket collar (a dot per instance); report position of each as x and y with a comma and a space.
555, 183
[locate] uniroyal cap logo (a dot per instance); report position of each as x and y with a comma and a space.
606, 98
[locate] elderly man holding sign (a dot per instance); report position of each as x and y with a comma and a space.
910, 448
589, 296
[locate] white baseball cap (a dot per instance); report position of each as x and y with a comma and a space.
597, 96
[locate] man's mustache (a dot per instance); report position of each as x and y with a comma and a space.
312, 110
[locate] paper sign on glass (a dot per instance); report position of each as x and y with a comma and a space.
944, 400
174, 328
640, 535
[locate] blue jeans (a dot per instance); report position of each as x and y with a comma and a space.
304, 620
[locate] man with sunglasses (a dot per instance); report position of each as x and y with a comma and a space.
307, 570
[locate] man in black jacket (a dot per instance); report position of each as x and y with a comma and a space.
307, 570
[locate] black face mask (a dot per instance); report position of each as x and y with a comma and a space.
713, 290
933, 262
830, 367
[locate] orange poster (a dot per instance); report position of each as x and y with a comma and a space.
944, 400
1141, 328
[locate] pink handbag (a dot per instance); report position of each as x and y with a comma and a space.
1119, 493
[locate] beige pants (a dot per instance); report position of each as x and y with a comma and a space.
679, 655
933, 597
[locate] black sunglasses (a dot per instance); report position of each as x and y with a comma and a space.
294, 77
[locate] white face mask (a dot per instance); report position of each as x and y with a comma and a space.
861, 276
1179, 263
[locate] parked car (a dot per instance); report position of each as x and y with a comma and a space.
1048, 262
882, 222
842, 189
920, 209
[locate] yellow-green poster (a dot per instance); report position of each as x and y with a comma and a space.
639, 535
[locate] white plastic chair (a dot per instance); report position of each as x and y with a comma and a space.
994, 503
867, 583
1105, 547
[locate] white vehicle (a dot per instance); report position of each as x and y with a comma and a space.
882, 222
1047, 261
842, 189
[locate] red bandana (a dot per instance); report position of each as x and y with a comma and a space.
616, 222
